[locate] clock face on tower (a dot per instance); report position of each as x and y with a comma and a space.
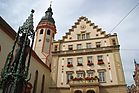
83, 27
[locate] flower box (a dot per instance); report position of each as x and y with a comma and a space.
88, 78
79, 64
77, 79
69, 65
90, 64
100, 63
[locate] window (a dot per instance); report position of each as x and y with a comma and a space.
42, 86
88, 45
87, 35
80, 74
41, 31
48, 32
98, 44
78, 36
89, 59
69, 76
79, 61
56, 47
83, 36
70, 47
69, 60
100, 58
79, 46
101, 76
39, 40
35, 82
113, 42
90, 73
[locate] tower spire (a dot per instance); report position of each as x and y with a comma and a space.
48, 15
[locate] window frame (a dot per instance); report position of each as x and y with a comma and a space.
98, 44
88, 45
102, 77
48, 32
79, 61
69, 60
87, 35
79, 46
41, 31
70, 47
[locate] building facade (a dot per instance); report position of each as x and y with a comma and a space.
87, 60
136, 77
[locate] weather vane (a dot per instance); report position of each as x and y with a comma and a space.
51, 3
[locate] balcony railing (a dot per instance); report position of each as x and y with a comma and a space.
84, 81
86, 50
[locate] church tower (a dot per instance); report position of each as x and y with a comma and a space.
45, 33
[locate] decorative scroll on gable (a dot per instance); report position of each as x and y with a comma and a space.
83, 29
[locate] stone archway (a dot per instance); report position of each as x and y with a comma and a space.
90, 91
77, 91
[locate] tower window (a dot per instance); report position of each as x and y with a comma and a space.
114, 42
48, 32
41, 31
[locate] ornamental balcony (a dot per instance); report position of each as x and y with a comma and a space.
84, 81
86, 51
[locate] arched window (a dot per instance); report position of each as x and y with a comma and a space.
90, 91
42, 86
41, 31
77, 91
35, 82
48, 32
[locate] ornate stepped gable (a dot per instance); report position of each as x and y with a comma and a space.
87, 23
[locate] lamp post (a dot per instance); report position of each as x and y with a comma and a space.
15, 72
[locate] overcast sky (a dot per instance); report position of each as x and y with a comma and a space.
104, 13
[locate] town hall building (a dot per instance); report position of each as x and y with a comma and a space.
85, 60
